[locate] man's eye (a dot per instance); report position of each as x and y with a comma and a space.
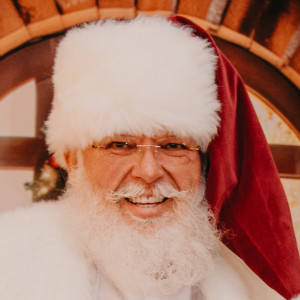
119, 145
173, 146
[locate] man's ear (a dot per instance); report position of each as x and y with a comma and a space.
71, 160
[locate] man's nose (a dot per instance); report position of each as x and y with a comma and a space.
147, 167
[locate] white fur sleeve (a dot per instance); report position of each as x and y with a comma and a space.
37, 259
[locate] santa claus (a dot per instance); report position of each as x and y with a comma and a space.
165, 159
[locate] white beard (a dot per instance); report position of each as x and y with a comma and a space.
152, 257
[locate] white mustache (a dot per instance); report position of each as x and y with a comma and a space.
138, 193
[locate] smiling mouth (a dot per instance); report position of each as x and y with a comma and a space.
146, 203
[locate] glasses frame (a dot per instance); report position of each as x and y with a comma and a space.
143, 146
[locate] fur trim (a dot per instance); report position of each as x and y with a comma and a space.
143, 76
39, 258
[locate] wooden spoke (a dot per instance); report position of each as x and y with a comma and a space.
287, 159
20, 152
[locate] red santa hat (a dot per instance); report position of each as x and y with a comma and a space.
243, 186
150, 75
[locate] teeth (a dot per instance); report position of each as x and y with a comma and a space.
146, 202
147, 205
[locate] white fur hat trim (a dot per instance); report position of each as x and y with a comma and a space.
143, 76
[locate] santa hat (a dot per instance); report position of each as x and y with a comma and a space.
150, 75
243, 186
140, 77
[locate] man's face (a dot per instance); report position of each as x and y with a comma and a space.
137, 204
119, 165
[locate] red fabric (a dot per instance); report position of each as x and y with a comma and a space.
243, 186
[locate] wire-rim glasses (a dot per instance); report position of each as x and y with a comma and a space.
168, 150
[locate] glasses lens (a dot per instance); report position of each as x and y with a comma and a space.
121, 148
175, 152
170, 151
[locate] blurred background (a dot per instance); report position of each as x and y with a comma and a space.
260, 37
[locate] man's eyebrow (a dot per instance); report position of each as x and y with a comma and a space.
122, 136
170, 137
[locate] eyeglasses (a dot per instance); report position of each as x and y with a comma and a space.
168, 150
